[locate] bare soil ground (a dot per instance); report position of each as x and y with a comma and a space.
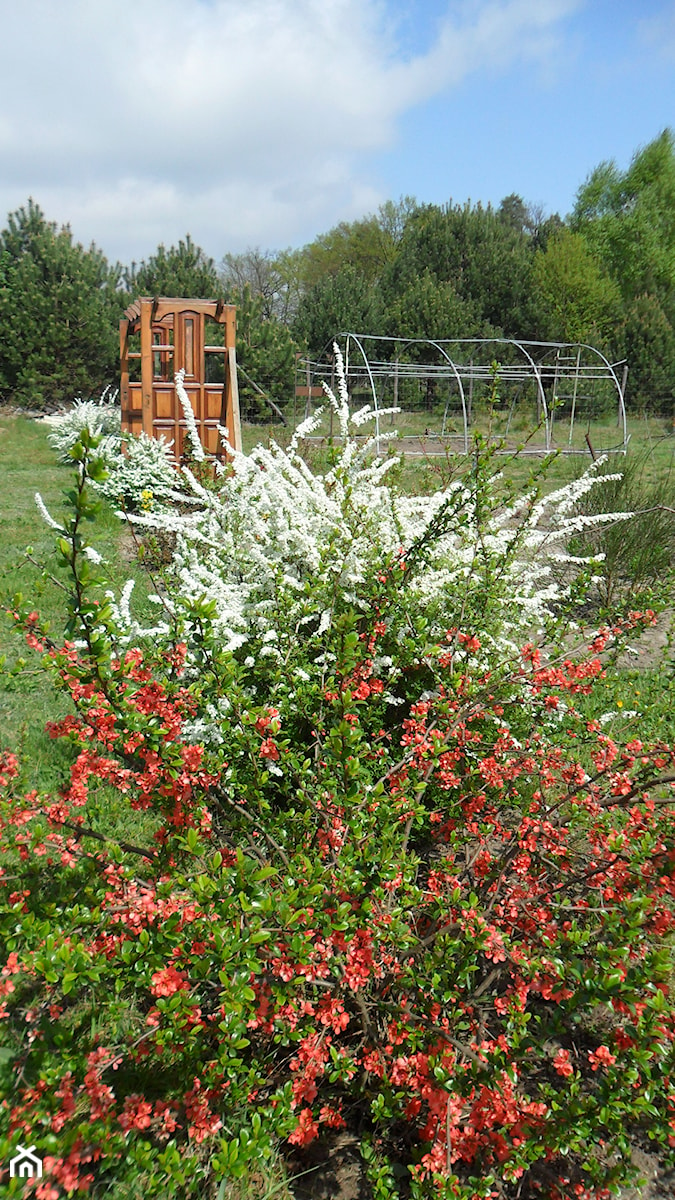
653, 646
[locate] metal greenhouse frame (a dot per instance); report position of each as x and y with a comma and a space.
558, 372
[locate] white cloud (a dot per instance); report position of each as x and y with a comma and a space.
657, 32
238, 122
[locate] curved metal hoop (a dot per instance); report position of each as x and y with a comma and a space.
536, 367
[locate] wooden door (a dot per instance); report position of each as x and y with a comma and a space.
172, 338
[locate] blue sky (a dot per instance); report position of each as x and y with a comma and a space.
265, 123
604, 86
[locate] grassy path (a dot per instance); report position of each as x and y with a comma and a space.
27, 698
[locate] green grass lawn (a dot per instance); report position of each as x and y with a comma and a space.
27, 697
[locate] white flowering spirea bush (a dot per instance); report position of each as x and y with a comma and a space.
141, 472
278, 551
101, 417
140, 469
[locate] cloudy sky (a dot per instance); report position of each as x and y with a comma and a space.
265, 122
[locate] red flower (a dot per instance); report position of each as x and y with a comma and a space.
332, 1117
562, 1064
306, 1129
269, 749
359, 960
266, 719
167, 981
137, 1113
203, 1122
602, 1057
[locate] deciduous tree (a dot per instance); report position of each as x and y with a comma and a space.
576, 296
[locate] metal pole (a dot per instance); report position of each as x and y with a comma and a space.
574, 397
555, 389
332, 388
622, 406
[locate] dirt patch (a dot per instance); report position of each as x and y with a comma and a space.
334, 1170
658, 1184
329, 1170
650, 649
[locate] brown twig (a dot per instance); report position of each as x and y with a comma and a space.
268, 836
84, 831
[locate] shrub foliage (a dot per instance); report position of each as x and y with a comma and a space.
384, 877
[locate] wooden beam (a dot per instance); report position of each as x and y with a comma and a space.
306, 390
231, 399
178, 304
230, 323
124, 369
146, 364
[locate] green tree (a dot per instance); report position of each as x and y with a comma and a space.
486, 260
647, 341
265, 357
362, 245
344, 301
576, 296
182, 270
513, 212
628, 218
367, 245
59, 309
393, 217
429, 308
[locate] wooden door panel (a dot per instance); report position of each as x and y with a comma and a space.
163, 403
213, 403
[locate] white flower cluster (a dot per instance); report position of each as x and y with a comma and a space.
141, 473
101, 417
276, 538
188, 413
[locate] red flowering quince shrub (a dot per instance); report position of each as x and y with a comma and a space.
386, 883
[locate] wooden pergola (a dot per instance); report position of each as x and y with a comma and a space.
174, 335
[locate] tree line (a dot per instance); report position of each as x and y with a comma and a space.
604, 275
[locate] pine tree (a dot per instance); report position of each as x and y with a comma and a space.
182, 270
265, 357
59, 311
